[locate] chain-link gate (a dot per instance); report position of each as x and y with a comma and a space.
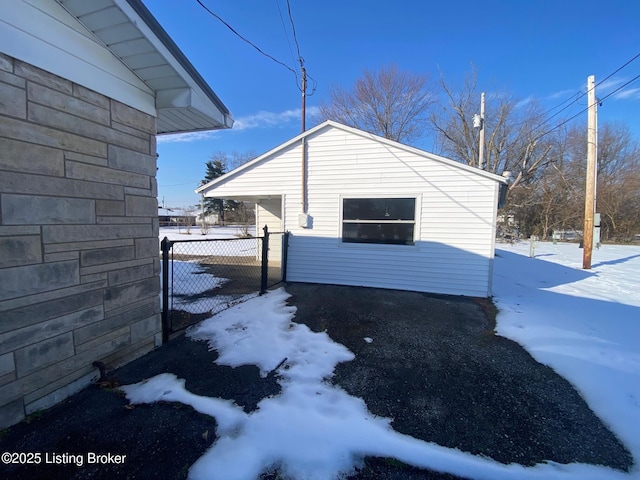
205, 276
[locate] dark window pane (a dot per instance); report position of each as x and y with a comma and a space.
378, 208
385, 233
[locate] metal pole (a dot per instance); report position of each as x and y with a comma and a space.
265, 261
285, 253
304, 96
481, 133
302, 142
589, 197
165, 245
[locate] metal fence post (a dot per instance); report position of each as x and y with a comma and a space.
265, 261
285, 252
165, 246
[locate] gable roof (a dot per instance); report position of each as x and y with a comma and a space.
331, 124
184, 101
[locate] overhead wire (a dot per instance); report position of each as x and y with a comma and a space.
597, 102
262, 52
620, 88
616, 71
295, 36
235, 32
578, 96
297, 44
284, 28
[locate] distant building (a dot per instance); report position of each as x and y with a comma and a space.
169, 217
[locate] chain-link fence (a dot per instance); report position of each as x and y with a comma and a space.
203, 277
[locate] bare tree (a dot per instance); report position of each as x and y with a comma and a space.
554, 198
388, 102
618, 192
517, 137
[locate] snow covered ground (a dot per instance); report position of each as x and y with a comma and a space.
247, 247
183, 287
213, 232
584, 324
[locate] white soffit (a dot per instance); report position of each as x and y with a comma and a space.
184, 101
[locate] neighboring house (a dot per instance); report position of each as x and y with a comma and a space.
363, 210
85, 86
210, 219
175, 217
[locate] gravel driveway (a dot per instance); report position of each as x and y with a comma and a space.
434, 365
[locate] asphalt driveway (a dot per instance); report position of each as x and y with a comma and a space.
434, 365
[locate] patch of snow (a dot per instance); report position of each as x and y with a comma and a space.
584, 324
239, 247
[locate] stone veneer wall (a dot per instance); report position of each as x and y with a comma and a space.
79, 268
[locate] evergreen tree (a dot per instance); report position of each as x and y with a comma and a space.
219, 164
216, 167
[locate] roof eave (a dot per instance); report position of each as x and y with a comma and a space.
220, 115
184, 100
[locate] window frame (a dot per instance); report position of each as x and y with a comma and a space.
417, 199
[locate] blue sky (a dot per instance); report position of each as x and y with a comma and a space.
542, 49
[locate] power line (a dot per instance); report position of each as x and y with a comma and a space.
295, 37
578, 96
297, 44
620, 68
582, 94
599, 101
621, 86
246, 40
284, 28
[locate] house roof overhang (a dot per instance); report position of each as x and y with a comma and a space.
184, 100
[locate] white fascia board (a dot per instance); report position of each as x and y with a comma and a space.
199, 99
43, 34
189, 98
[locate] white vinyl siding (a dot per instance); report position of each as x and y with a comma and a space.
455, 213
269, 213
453, 248
43, 34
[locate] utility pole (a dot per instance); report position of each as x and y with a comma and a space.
478, 122
481, 146
590, 191
304, 96
304, 219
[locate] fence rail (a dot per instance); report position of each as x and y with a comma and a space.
201, 277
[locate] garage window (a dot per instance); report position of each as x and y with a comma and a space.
378, 220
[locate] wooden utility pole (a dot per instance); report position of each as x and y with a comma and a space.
590, 190
481, 133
